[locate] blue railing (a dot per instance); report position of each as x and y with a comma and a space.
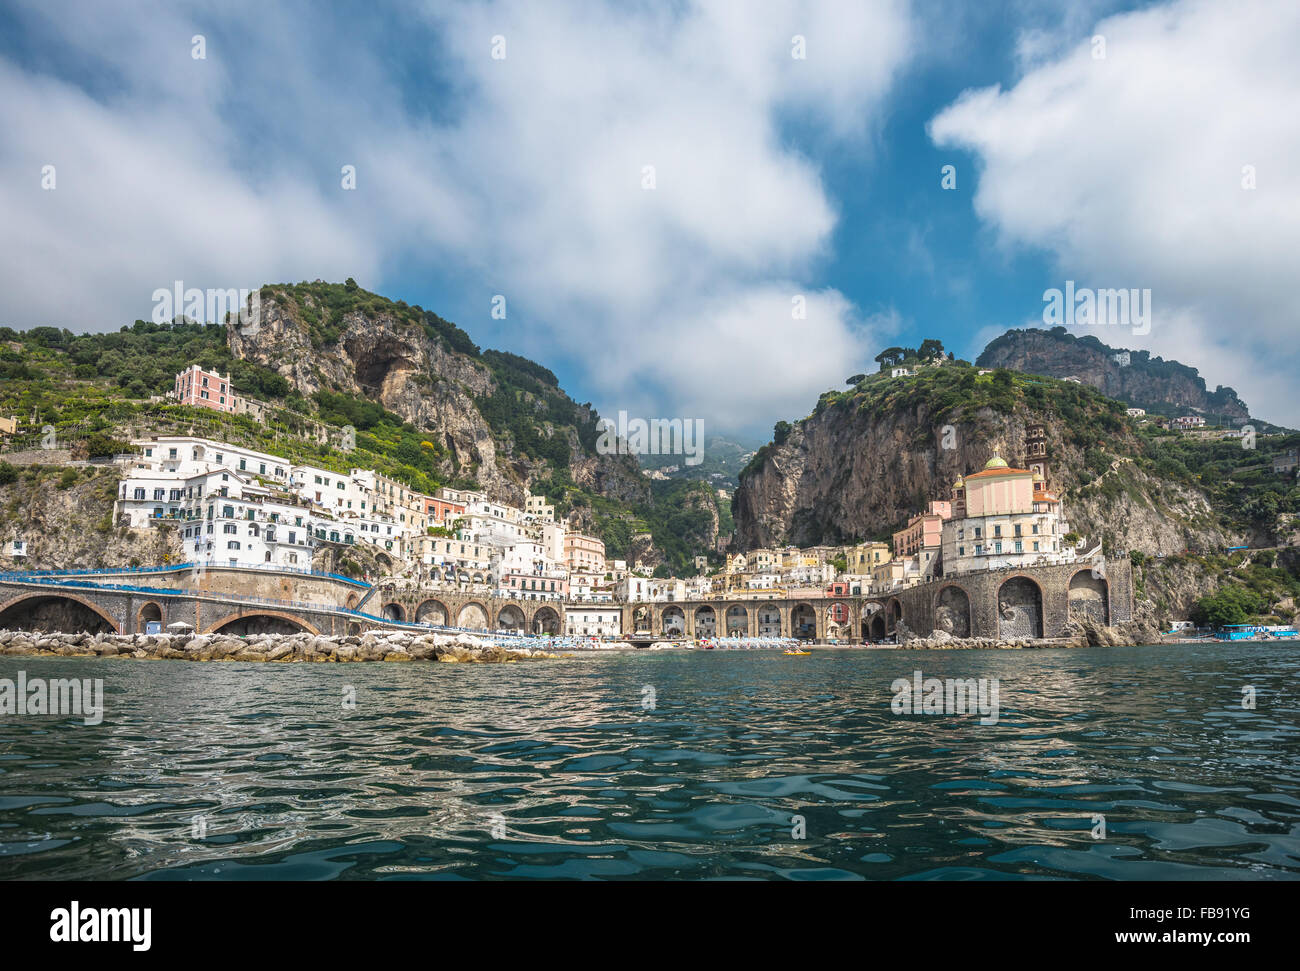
58, 581
106, 571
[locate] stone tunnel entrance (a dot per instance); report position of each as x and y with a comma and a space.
54, 613
1020, 609
260, 624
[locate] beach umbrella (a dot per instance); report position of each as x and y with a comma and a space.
180, 625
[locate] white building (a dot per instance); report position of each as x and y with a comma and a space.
1002, 517
594, 621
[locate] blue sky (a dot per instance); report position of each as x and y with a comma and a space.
775, 177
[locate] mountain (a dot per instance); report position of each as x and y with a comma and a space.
427, 405
1134, 377
720, 464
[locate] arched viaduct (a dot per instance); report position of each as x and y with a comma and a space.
1037, 602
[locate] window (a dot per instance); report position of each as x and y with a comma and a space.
977, 532
997, 547
1035, 546
1019, 547
261, 468
139, 493
997, 530
230, 528
171, 453
1035, 529
243, 465
233, 544
979, 550
1017, 529
228, 512
961, 551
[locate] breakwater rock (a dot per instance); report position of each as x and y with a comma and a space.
1080, 634
394, 646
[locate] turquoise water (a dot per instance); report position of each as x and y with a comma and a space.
559, 770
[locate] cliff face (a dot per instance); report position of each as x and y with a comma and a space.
69, 526
855, 471
1145, 382
380, 356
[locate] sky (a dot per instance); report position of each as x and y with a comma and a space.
711, 210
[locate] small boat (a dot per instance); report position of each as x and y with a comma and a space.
796, 653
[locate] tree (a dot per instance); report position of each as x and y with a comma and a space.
781, 431
890, 356
855, 379
930, 349
1229, 605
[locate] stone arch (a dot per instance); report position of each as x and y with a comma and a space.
393, 611
433, 612
737, 621
354, 629
52, 612
511, 617
878, 626
1089, 598
546, 621
870, 609
768, 621
952, 610
893, 613
839, 619
352, 601
261, 622
150, 611
384, 561
1020, 608
672, 621
642, 618
472, 614
706, 621
803, 621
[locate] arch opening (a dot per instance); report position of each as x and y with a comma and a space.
511, 618
1020, 608
546, 621
1089, 598
432, 612
952, 611
55, 613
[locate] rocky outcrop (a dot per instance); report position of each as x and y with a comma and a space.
392, 647
71, 526
382, 356
849, 473
1079, 634
1144, 382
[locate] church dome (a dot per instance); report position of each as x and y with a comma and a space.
960, 483
995, 463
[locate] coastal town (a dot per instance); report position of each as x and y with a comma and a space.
235, 507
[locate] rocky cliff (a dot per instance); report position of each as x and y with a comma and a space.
64, 516
1144, 382
324, 337
867, 459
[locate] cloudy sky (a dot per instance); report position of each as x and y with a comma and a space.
656, 188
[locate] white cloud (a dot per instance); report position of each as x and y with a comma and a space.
225, 172
1129, 170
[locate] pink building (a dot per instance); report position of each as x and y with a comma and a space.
924, 530
205, 389
442, 512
